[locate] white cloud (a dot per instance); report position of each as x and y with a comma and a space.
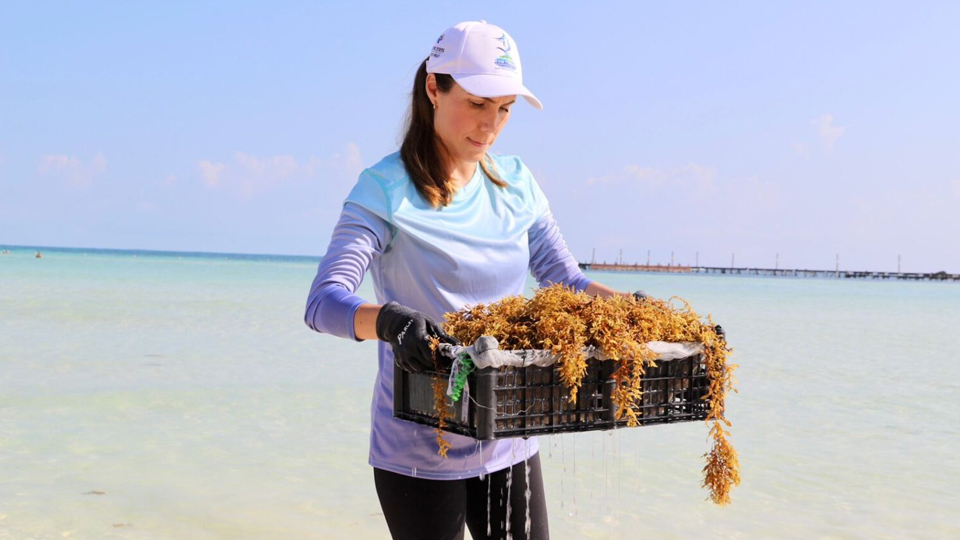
349, 159
645, 175
694, 179
276, 167
828, 132
247, 174
607, 179
695, 188
211, 172
76, 172
255, 174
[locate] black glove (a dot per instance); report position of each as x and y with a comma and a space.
408, 332
639, 296
720, 333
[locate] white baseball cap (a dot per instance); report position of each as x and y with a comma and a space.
483, 59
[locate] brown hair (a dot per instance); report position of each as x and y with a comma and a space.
422, 152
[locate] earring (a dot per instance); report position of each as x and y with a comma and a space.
434, 105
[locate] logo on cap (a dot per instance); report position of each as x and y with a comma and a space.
504, 61
437, 49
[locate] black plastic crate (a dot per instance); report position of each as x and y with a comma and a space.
520, 402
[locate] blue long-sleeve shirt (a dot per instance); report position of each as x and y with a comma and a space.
477, 249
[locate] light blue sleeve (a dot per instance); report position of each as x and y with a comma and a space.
550, 260
360, 236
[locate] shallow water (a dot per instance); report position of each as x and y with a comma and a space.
153, 396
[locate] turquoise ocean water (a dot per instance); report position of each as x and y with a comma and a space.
181, 396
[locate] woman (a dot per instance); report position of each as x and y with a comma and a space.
443, 224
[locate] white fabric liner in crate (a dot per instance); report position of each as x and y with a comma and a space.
485, 352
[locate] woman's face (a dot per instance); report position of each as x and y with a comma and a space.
467, 124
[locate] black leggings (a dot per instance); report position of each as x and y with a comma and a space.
419, 509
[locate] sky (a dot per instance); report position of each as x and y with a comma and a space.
758, 134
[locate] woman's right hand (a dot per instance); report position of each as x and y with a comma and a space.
408, 332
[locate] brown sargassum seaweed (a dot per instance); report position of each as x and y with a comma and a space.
564, 322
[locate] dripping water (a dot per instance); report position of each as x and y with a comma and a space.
636, 453
506, 523
482, 475
619, 454
592, 463
603, 449
489, 481
574, 476
526, 494
563, 471
509, 501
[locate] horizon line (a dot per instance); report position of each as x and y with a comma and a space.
159, 251
320, 256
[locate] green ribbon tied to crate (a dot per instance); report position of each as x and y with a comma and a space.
462, 367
